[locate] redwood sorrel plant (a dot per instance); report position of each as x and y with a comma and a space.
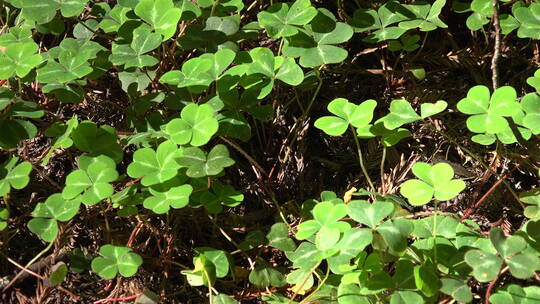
194, 83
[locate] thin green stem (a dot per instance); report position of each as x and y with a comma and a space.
383, 159
321, 283
212, 12
361, 159
421, 47
280, 47
32, 261
304, 282
436, 210
315, 94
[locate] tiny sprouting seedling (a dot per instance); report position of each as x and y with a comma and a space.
114, 260
434, 181
58, 273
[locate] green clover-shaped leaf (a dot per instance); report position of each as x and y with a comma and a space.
306, 256
350, 245
430, 109
369, 214
278, 237
45, 10
134, 54
199, 72
199, 164
155, 166
284, 69
88, 137
435, 181
506, 247
457, 289
523, 265
62, 132
486, 266
196, 126
114, 260
488, 113
204, 272
92, 180
4, 215
161, 14
381, 22
73, 56
264, 276
209, 265
395, 233
284, 19
515, 294
534, 80
407, 43
529, 20
532, 198
316, 45
47, 214
401, 112
388, 137
530, 103
426, 16
219, 196
482, 10
347, 114
13, 175
326, 225
19, 59
164, 197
